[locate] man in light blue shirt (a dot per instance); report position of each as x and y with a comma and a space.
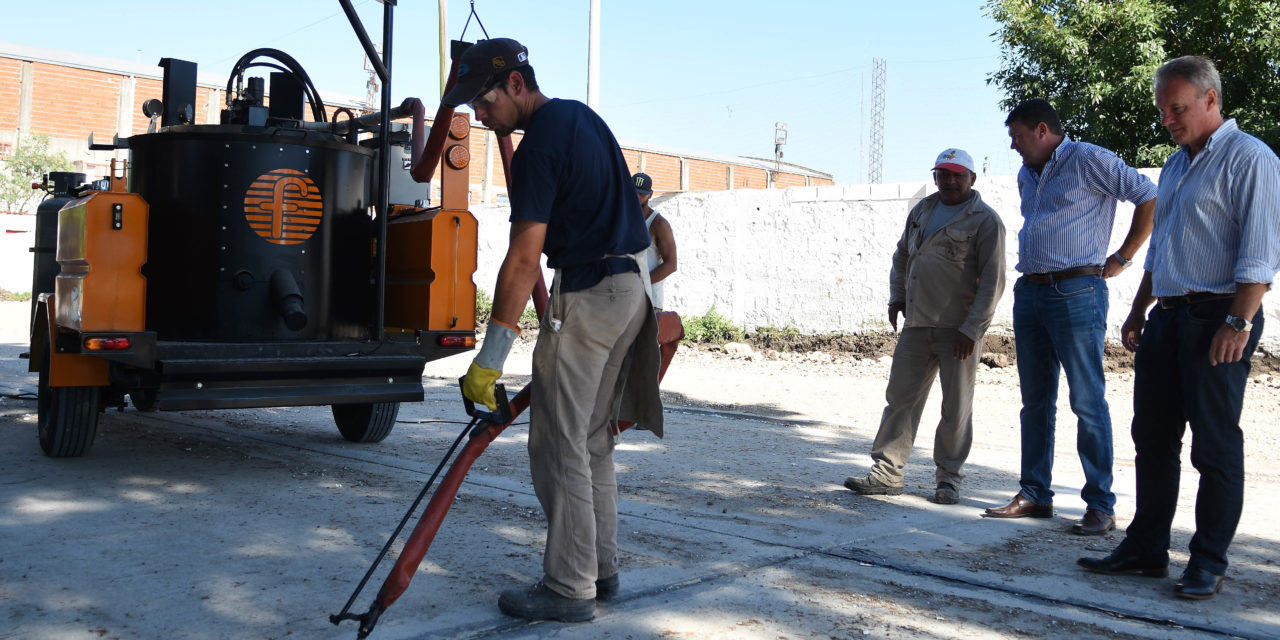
1213, 255
1069, 193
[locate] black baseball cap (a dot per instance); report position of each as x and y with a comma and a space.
644, 184
480, 63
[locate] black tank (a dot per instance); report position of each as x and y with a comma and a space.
255, 233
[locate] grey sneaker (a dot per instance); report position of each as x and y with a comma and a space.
946, 493
541, 603
869, 486
607, 588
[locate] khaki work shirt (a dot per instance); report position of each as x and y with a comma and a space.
953, 278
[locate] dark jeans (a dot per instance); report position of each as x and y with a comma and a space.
1175, 385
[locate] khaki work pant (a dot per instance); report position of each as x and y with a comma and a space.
923, 353
575, 379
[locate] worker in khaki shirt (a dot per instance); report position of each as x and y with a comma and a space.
947, 276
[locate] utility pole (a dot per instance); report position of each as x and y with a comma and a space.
444, 45
371, 87
779, 139
593, 58
876, 170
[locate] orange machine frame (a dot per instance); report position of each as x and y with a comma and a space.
431, 253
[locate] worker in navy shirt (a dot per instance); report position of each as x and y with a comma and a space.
596, 359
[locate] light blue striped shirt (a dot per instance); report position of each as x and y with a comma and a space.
1068, 209
1217, 217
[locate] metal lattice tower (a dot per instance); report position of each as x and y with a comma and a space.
875, 173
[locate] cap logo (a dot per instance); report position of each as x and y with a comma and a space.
951, 154
499, 62
639, 182
463, 70
522, 56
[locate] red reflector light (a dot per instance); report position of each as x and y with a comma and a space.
457, 342
106, 344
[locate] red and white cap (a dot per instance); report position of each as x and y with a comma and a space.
956, 160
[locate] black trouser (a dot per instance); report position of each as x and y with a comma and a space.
1175, 385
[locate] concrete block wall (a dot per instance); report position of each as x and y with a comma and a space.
818, 258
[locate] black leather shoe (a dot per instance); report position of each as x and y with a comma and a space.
1120, 564
1197, 584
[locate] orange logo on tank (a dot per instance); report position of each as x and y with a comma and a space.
283, 206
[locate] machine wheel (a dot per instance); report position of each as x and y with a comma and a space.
143, 399
67, 416
368, 422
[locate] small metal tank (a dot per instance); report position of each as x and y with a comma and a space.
59, 185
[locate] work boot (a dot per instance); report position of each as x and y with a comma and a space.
541, 603
870, 486
946, 493
607, 588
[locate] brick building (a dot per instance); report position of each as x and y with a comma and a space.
68, 96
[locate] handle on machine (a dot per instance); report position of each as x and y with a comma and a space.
500, 416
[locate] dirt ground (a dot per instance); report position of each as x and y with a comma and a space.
999, 349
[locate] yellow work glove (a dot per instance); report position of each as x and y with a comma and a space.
477, 385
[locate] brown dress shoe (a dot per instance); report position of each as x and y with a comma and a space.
1020, 507
1094, 523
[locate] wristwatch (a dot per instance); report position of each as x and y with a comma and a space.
1239, 324
1124, 262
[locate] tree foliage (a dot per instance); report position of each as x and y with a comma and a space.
1094, 61
31, 159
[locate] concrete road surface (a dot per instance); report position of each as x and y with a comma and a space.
259, 523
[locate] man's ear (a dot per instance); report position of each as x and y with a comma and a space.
515, 83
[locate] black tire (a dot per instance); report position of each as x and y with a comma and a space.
143, 399
368, 422
67, 416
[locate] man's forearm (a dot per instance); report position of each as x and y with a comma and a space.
511, 294
663, 270
1139, 229
1143, 298
1248, 299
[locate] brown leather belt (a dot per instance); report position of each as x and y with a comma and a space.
1173, 302
1058, 276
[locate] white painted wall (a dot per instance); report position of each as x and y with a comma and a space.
17, 236
818, 258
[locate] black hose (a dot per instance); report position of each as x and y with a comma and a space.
290, 66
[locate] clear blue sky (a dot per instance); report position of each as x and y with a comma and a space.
703, 75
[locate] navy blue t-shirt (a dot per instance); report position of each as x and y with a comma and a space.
568, 172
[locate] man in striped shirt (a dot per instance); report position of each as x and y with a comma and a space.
1069, 193
1215, 250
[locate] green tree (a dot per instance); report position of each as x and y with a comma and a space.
31, 159
1094, 61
